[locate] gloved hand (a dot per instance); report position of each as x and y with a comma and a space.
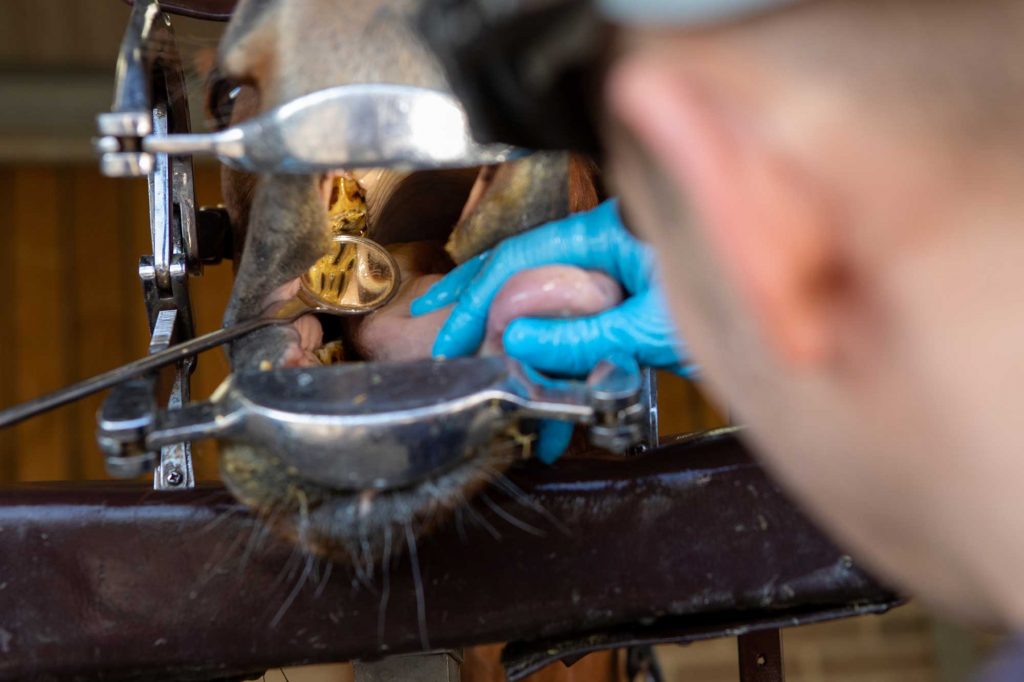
595, 240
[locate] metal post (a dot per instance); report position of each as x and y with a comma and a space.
761, 656
437, 666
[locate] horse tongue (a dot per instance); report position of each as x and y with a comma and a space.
554, 291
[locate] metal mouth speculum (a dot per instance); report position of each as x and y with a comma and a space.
388, 425
348, 126
352, 426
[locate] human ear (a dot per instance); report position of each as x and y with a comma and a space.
766, 221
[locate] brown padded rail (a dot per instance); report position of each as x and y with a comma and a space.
109, 581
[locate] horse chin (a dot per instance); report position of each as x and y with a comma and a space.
360, 528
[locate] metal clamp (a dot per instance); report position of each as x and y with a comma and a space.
616, 390
124, 419
130, 412
370, 125
139, 68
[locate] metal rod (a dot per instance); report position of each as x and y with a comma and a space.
19, 413
228, 143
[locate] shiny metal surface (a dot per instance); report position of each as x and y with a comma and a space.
175, 469
684, 14
278, 313
650, 396
131, 114
160, 206
385, 425
129, 410
348, 126
213, 10
150, 98
358, 275
183, 195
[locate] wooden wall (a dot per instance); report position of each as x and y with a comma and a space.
44, 33
71, 307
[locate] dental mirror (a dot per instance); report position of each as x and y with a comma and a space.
357, 277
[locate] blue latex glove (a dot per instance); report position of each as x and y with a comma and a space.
596, 240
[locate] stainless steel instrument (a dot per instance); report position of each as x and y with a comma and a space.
370, 283
358, 426
348, 126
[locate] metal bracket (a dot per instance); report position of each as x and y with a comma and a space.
129, 412
175, 469
437, 666
126, 415
131, 115
151, 99
760, 655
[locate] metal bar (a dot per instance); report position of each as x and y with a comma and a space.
760, 655
160, 202
175, 467
691, 541
435, 666
168, 356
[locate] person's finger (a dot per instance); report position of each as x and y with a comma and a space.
568, 347
449, 288
463, 332
647, 324
639, 327
553, 439
593, 240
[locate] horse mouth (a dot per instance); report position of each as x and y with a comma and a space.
411, 215
429, 221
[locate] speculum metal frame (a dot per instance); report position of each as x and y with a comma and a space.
146, 133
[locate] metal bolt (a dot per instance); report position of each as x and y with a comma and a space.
639, 449
174, 477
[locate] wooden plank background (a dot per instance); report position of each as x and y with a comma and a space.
70, 241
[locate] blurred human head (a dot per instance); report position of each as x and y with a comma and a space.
836, 191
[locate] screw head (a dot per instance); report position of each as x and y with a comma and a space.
174, 477
639, 449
